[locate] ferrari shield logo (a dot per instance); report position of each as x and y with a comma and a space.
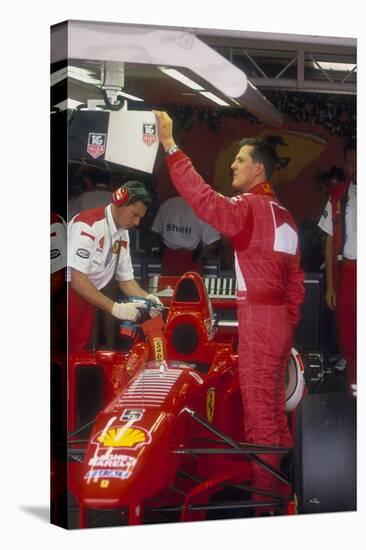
210, 404
116, 247
149, 133
96, 144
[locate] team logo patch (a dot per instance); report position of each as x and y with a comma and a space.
116, 247
149, 133
158, 349
210, 403
83, 253
55, 253
96, 144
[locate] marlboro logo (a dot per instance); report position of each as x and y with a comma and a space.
149, 133
96, 145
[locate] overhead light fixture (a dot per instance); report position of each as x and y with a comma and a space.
334, 66
177, 75
68, 104
83, 75
129, 96
173, 73
58, 76
216, 99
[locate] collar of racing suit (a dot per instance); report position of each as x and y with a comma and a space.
264, 188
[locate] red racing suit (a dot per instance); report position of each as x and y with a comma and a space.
270, 292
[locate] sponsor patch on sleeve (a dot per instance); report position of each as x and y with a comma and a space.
83, 253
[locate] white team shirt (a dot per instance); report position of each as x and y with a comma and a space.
179, 226
326, 224
93, 244
58, 243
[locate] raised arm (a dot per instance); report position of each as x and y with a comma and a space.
226, 215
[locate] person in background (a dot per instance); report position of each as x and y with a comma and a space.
98, 189
270, 285
98, 250
339, 222
186, 238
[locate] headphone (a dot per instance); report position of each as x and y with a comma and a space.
130, 190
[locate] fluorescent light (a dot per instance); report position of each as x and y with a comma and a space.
68, 104
334, 66
181, 77
129, 96
236, 102
82, 74
216, 99
58, 76
73, 72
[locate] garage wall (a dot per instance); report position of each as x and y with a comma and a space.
316, 128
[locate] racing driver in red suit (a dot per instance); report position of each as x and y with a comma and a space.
270, 284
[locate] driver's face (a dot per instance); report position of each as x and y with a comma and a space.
128, 217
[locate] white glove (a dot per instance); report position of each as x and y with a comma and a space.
158, 310
128, 311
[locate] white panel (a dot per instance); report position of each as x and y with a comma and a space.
126, 145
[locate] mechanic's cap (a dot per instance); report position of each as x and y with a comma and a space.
130, 192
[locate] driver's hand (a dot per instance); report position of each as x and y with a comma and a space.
165, 129
158, 310
128, 311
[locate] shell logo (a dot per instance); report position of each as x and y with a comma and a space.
130, 438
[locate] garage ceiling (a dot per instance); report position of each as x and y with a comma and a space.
265, 61
290, 62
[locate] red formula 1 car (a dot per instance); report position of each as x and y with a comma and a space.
156, 432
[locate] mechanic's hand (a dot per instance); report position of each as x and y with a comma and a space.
158, 310
165, 129
128, 311
330, 298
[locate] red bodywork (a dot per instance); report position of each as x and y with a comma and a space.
150, 446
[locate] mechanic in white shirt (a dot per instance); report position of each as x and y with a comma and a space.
184, 236
98, 249
339, 222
